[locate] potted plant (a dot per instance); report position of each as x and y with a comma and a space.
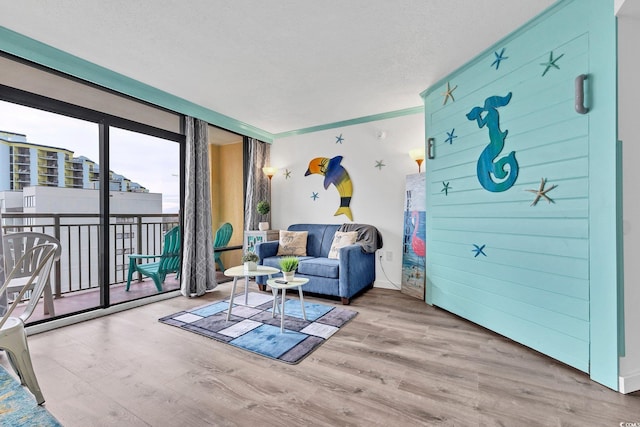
288, 265
249, 260
263, 208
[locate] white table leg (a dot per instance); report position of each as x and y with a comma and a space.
284, 297
233, 291
304, 314
274, 291
246, 290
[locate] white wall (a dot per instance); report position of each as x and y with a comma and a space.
628, 95
378, 195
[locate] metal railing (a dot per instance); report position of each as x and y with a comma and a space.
80, 262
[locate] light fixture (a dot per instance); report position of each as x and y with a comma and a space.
269, 171
417, 154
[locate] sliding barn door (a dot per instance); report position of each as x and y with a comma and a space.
521, 189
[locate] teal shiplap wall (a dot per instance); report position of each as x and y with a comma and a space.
547, 274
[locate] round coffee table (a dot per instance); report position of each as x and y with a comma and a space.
275, 285
239, 271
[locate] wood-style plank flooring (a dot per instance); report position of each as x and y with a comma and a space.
398, 363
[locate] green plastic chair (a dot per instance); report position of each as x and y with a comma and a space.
223, 235
158, 270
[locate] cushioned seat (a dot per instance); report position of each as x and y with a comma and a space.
322, 267
275, 261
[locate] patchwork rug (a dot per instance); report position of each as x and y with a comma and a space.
18, 407
252, 327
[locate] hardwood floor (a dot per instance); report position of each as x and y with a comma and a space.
398, 363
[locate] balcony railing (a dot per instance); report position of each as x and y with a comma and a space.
80, 262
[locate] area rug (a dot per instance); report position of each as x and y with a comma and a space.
18, 407
252, 327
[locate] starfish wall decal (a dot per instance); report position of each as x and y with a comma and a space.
450, 136
339, 139
314, 195
379, 164
541, 192
449, 94
499, 57
478, 250
550, 63
445, 188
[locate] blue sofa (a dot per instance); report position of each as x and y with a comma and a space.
354, 272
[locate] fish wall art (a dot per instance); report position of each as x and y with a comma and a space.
337, 175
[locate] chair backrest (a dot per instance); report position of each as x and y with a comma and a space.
223, 235
17, 244
38, 259
170, 259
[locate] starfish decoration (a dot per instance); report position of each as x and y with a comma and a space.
478, 250
449, 94
339, 139
445, 188
550, 63
314, 196
541, 192
499, 58
450, 136
287, 174
379, 164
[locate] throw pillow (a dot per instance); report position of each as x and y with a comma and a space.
340, 240
293, 243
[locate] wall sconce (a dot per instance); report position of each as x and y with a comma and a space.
417, 154
269, 171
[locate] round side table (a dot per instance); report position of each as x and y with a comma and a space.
275, 286
239, 271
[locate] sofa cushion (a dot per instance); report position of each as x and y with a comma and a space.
340, 240
274, 261
293, 243
322, 267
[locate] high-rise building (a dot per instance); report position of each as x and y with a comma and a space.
24, 164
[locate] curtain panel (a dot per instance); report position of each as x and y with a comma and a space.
258, 186
198, 269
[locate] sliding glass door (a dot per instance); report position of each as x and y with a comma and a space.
106, 187
144, 203
49, 183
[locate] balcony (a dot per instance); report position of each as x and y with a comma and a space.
75, 278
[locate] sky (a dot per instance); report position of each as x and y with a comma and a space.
128, 150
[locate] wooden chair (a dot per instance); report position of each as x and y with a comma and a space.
13, 338
169, 261
15, 246
223, 235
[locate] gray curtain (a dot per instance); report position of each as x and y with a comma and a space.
258, 186
198, 269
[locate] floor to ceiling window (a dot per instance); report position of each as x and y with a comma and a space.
106, 186
144, 203
48, 184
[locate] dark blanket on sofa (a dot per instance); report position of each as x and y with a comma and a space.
368, 236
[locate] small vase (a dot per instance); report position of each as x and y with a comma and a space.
250, 266
263, 226
288, 275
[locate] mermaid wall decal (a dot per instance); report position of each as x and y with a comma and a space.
492, 174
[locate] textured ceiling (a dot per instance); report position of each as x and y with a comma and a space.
277, 65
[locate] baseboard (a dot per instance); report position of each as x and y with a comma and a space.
629, 383
385, 285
